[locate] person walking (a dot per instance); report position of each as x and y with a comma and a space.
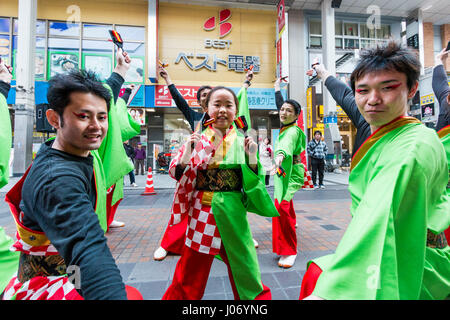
317, 150
265, 157
140, 156
131, 154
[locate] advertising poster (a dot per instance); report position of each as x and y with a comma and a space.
138, 114
61, 62
136, 72
101, 64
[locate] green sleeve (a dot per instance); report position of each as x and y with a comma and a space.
5, 141
128, 126
243, 106
383, 251
115, 161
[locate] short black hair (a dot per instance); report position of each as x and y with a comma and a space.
236, 100
199, 91
61, 86
318, 131
390, 56
295, 104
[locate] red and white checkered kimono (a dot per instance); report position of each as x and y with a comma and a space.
202, 234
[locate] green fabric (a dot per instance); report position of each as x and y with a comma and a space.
291, 141
398, 191
446, 142
112, 157
230, 212
115, 161
9, 260
5, 141
100, 206
243, 106
129, 128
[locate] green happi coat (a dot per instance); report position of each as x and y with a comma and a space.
397, 183
230, 212
111, 162
9, 261
291, 141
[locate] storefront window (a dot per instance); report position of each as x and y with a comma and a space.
40, 26
98, 57
351, 29
4, 25
338, 43
63, 55
384, 32
338, 28
315, 42
351, 43
96, 31
131, 33
315, 27
4, 47
64, 29
367, 32
176, 131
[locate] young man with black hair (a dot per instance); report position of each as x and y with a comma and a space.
55, 204
394, 246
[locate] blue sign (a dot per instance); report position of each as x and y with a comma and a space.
328, 120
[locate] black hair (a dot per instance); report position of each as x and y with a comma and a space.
318, 131
199, 91
390, 56
236, 101
295, 104
61, 86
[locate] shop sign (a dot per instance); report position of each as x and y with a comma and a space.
164, 99
138, 115
233, 62
281, 19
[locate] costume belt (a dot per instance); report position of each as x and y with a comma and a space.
296, 159
436, 240
32, 266
219, 180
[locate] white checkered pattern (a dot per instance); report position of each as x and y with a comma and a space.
42, 288
308, 183
21, 246
185, 186
202, 234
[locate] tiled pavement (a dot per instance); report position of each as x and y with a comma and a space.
322, 217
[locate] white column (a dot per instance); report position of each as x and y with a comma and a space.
421, 41
331, 130
297, 59
152, 40
25, 67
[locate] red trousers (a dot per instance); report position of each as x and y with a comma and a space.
309, 280
284, 237
111, 210
191, 276
175, 236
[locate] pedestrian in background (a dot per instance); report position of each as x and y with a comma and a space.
266, 156
139, 158
317, 150
131, 154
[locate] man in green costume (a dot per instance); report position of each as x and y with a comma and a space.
9, 261
394, 246
218, 184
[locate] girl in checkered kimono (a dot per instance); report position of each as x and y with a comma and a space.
218, 182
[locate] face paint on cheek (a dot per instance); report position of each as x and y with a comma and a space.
79, 114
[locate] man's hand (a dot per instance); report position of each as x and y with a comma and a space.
441, 57
322, 73
165, 75
123, 62
277, 84
5, 72
279, 160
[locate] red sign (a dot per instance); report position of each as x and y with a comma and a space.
224, 27
163, 98
279, 58
281, 18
